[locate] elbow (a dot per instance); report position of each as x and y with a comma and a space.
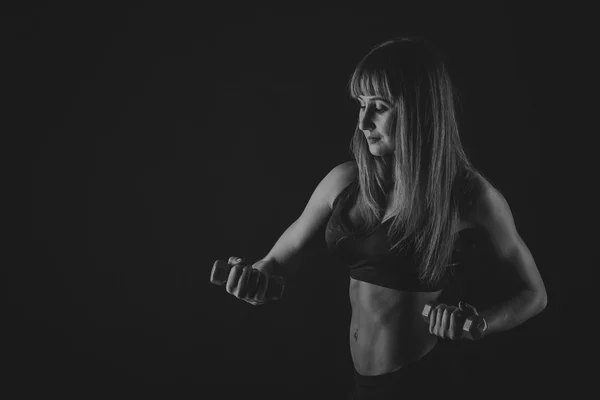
536, 300
540, 300
543, 301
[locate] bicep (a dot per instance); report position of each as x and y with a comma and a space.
315, 213
319, 206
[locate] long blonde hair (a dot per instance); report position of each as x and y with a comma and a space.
430, 170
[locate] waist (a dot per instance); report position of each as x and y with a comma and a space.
387, 330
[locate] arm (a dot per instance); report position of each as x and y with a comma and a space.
494, 216
290, 244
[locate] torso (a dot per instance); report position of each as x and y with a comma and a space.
386, 329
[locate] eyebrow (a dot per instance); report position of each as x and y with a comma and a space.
375, 98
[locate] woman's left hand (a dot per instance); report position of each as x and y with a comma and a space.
447, 321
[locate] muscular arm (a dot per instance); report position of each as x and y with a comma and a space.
286, 250
494, 215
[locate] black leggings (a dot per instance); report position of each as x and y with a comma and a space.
433, 375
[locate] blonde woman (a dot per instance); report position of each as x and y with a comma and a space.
403, 216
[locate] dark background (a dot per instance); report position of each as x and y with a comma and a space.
162, 138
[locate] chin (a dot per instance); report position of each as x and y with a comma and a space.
382, 153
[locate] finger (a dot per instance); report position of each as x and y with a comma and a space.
438, 320
234, 260
469, 309
432, 319
445, 323
281, 282
253, 283
242, 286
259, 296
455, 320
232, 279
263, 285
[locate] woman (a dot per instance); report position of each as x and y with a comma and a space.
403, 217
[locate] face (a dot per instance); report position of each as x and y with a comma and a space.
375, 120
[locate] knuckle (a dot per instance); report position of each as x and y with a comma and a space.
260, 294
234, 260
264, 285
243, 272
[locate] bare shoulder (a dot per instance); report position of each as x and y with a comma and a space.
346, 171
489, 201
339, 178
471, 187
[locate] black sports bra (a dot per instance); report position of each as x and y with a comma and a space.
367, 254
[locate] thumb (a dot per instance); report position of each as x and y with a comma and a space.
467, 307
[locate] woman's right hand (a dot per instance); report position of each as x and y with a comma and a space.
250, 283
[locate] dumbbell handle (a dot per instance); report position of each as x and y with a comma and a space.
220, 273
471, 329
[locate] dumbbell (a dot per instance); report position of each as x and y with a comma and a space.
220, 273
471, 329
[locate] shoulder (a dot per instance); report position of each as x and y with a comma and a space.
468, 187
489, 206
339, 178
346, 170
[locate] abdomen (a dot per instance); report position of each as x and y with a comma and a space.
387, 330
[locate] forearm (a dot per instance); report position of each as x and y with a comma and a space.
514, 311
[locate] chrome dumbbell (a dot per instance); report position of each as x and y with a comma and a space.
472, 327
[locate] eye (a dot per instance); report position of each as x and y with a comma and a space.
381, 107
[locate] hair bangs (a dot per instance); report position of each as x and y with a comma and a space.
370, 82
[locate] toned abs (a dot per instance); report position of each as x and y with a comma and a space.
387, 330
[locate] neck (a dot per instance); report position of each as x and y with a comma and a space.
389, 179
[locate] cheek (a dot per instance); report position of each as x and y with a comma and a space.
388, 124
388, 128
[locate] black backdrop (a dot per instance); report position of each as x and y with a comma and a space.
162, 138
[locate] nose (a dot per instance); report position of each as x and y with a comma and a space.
365, 121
